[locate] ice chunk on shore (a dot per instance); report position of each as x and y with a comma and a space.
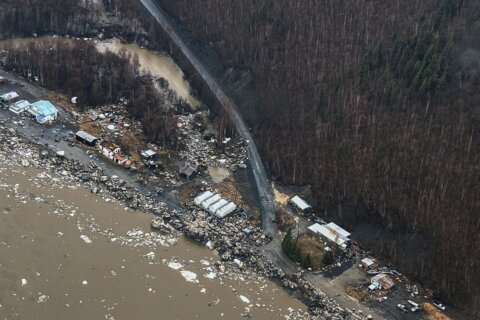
175, 265
189, 276
85, 239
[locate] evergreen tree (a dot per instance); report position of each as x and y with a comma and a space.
288, 242
307, 261
328, 258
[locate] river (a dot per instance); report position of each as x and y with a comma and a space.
68, 254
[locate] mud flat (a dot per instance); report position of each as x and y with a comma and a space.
67, 253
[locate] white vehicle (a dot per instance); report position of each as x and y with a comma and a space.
381, 299
402, 307
415, 306
439, 305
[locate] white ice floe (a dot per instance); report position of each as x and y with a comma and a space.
85, 239
205, 262
42, 299
210, 275
175, 265
244, 299
189, 276
24, 282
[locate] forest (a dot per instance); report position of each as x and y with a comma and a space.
76, 68
375, 104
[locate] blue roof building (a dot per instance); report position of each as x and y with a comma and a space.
44, 111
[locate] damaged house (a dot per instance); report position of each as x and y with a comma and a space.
188, 171
109, 149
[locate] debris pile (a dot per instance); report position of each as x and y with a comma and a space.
204, 153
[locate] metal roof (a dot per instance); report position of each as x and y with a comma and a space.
226, 210
207, 203
328, 233
344, 233
367, 261
19, 106
300, 203
9, 96
385, 281
148, 153
217, 205
45, 108
202, 197
86, 136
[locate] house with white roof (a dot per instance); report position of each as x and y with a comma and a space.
300, 204
19, 106
331, 233
44, 111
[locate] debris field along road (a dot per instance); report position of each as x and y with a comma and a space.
263, 187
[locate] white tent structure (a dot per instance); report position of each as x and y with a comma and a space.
214, 204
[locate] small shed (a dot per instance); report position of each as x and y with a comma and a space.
367, 262
188, 171
86, 138
300, 204
19, 106
148, 154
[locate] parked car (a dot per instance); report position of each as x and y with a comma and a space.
439, 305
381, 299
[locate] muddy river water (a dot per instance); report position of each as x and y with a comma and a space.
68, 254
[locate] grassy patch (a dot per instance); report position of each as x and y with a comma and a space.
310, 245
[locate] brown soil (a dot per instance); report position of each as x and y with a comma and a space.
284, 220
358, 293
91, 127
433, 313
